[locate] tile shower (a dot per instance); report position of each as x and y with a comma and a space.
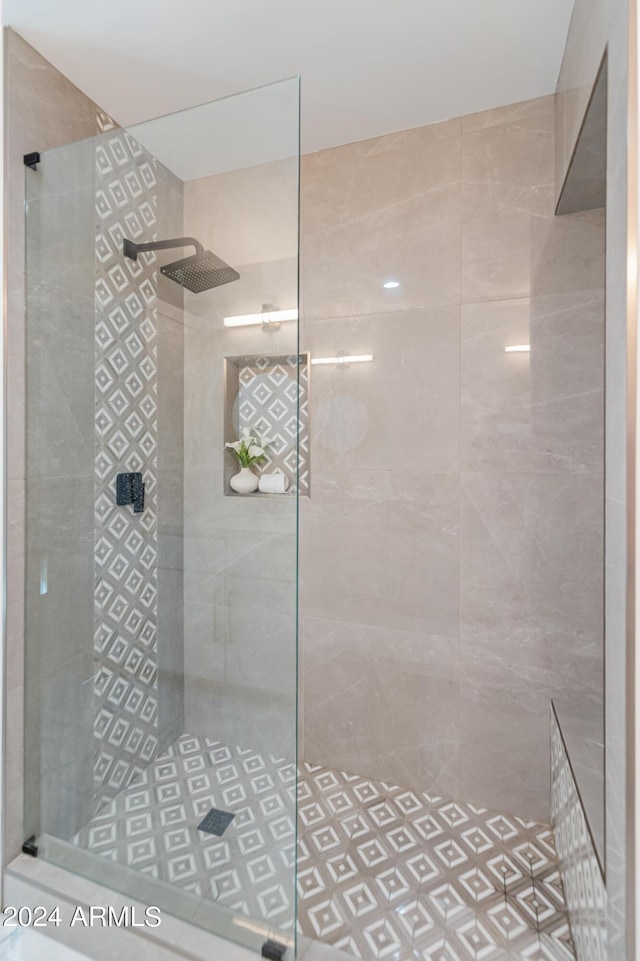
452, 549
450, 529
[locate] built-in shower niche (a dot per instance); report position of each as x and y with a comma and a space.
269, 393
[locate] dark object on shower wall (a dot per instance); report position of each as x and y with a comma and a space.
32, 160
202, 271
30, 847
273, 950
130, 490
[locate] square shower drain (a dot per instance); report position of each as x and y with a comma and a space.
216, 822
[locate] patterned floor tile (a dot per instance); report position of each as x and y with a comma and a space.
153, 826
382, 872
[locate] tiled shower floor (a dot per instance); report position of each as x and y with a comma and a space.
383, 872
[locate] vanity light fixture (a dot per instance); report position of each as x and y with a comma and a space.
343, 359
391, 284
518, 349
266, 318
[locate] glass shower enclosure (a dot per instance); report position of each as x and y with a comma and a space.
161, 588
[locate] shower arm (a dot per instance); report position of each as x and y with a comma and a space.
131, 249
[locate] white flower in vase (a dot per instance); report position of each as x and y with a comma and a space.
248, 452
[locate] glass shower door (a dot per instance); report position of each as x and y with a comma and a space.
164, 376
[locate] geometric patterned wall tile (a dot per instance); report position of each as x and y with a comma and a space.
271, 395
579, 867
126, 421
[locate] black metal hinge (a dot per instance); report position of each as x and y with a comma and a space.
30, 846
273, 950
32, 160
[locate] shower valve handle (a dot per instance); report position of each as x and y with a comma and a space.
130, 490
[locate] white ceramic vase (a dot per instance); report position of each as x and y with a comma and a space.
245, 481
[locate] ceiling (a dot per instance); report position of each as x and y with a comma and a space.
368, 67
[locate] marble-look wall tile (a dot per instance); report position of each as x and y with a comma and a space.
170, 219
507, 184
60, 315
249, 647
59, 665
240, 637
526, 430
171, 710
381, 548
170, 393
390, 214
530, 545
16, 550
541, 411
568, 253
509, 114
230, 520
415, 373
239, 553
43, 110
66, 710
59, 622
261, 575
402, 139
60, 342
412, 736
249, 217
170, 359
243, 689
504, 745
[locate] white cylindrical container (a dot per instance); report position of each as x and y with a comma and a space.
273, 483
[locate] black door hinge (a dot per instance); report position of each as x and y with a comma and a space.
273, 950
32, 160
30, 846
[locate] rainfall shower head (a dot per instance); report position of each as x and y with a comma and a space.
202, 271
